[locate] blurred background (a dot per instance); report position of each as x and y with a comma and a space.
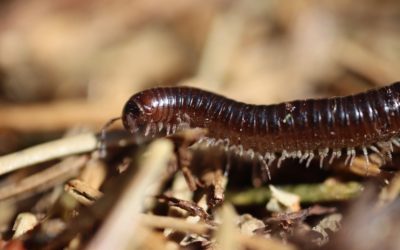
67, 63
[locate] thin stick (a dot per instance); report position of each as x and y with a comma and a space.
47, 117
48, 151
178, 224
222, 41
308, 192
201, 228
125, 215
82, 192
45, 179
225, 235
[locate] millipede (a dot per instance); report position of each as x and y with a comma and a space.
325, 128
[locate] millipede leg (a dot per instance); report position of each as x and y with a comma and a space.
322, 154
147, 131
250, 153
265, 167
376, 150
240, 148
304, 156
284, 155
210, 142
160, 126
226, 144
309, 159
365, 152
270, 157
351, 154
335, 154
396, 142
228, 164
168, 129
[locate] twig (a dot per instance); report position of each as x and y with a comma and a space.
327, 191
126, 213
191, 207
222, 41
215, 180
200, 228
23, 223
48, 151
45, 117
177, 224
45, 179
82, 192
225, 234
94, 173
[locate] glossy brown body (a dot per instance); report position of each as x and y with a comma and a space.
304, 125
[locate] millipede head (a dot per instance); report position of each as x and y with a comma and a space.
139, 111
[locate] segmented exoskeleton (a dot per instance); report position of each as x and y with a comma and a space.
304, 129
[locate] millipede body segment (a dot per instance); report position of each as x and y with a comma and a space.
304, 129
